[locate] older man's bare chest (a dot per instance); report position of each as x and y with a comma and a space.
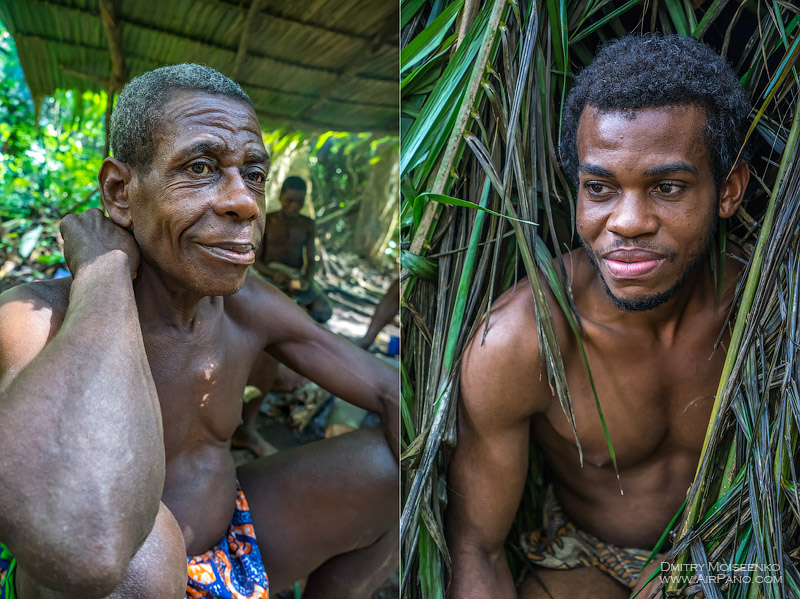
200, 380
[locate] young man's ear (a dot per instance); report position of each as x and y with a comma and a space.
115, 178
731, 192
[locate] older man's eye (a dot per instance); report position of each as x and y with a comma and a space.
257, 177
200, 168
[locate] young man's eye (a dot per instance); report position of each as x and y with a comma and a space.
596, 188
668, 188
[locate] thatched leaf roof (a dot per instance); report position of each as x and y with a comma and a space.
307, 64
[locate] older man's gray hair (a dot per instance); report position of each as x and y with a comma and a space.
138, 112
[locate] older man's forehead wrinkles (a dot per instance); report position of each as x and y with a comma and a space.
257, 156
205, 147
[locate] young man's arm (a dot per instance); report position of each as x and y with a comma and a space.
500, 390
81, 441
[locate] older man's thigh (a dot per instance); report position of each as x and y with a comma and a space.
320, 500
157, 571
577, 583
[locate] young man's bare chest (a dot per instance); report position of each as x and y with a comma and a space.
284, 241
656, 399
651, 393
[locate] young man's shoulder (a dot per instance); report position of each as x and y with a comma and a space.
516, 308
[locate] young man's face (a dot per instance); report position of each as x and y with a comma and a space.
647, 203
292, 201
198, 212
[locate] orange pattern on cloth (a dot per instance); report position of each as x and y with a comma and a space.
560, 545
233, 568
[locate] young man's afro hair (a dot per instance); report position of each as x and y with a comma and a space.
650, 71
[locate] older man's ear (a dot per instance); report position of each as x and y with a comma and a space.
115, 180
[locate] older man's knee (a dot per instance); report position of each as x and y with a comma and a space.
382, 468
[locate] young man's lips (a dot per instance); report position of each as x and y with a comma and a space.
236, 253
630, 270
630, 264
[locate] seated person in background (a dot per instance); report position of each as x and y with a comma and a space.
286, 257
120, 387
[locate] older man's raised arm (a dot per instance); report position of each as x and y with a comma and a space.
81, 441
331, 361
500, 390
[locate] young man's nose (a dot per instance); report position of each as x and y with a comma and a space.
631, 216
236, 198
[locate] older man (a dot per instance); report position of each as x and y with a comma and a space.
120, 387
651, 136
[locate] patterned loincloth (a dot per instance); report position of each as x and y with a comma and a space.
230, 570
560, 545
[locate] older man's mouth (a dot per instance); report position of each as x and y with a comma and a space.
231, 251
632, 263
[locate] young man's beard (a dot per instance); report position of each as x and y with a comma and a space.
654, 301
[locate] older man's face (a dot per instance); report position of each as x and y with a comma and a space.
647, 203
198, 211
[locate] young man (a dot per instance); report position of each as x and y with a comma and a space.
651, 135
287, 253
120, 387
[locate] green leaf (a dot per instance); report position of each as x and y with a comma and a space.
451, 201
418, 266
578, 36
430, 38
408, 9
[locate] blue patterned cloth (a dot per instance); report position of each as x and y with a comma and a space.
232, 569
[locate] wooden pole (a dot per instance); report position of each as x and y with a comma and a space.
241, 53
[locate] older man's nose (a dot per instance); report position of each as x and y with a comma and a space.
236, 198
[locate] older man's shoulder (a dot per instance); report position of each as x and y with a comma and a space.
30, 316
51, 295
